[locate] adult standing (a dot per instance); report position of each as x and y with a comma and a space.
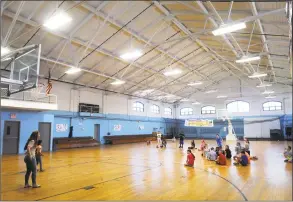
219, 140
159, 139
30, 159
181, 139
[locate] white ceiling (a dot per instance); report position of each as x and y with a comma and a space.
107, 29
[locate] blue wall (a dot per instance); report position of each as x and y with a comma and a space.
29, 121
285, 121
210, 132
83, 124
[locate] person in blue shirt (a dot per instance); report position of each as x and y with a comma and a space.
243, 160
219, 140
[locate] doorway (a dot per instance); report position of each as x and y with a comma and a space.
97, 132
45, 131
11, 137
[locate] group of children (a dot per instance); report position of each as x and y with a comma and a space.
220, 155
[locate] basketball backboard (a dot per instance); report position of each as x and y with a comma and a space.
20, 70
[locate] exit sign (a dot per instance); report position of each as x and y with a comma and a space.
13, 116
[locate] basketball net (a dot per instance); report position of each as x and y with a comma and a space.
225, 116
36, 92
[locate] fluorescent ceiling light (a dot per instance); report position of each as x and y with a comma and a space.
267, 92
4, 50
58, 20
73, 70
257, 75
148, 90
270, 97
221, 96
229, 28
6, 59
184, 100
195, 83
172, 72
248, 59
210, 91
196, 103
264, 85
118, 82
131, 55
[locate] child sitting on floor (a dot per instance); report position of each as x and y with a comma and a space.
217, 151
238, 150
205, 151
228, 152
164, 143
190, 159
212, 156
221, 160
202, 145
243, 160
192, 145
246, 145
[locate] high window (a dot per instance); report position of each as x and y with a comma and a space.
155, 109
238, 106
186, 111
272, 106
168, 111
208, 110
138, 106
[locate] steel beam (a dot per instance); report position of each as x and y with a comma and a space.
12, 23
263, 38
40, 3
77, 41
131, 32
85, 69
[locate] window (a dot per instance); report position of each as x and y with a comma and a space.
168, 111
272, 106
138, 106
186, 111
208, 110
238, 106
155, 109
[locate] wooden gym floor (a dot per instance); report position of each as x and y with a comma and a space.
141, 172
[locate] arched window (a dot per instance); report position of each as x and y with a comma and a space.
155, 109
238, 106
138, 106
208, 110
186, 111
272, 106
168, 111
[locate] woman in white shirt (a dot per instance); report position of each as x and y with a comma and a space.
30, 159
159, 138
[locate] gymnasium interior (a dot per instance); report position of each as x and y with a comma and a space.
104, 82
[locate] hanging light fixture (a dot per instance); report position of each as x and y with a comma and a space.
257, 75
248, 59
224, 29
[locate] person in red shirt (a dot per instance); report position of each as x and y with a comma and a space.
221, 160
190, 158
